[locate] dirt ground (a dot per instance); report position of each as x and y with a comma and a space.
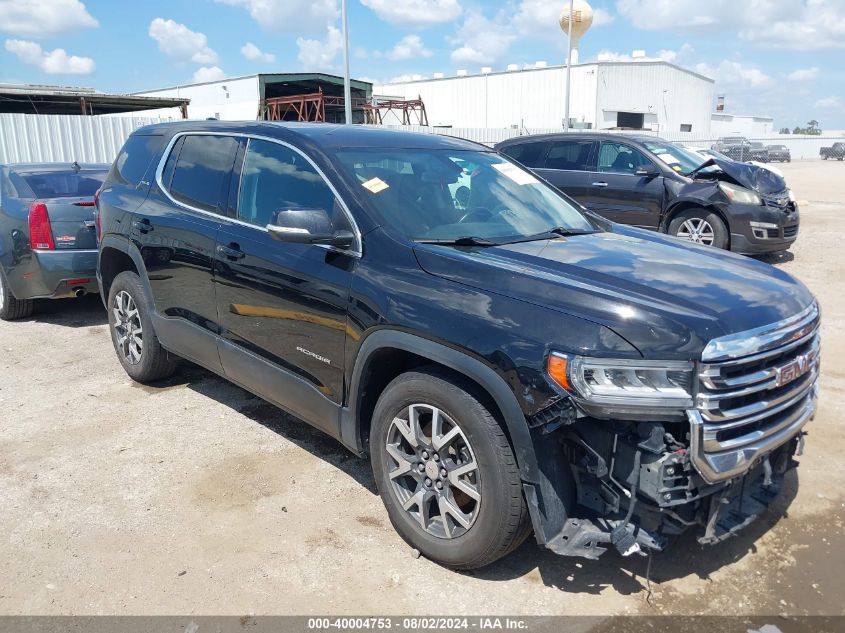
197, 498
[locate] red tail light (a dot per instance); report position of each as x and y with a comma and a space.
40, 231
84, 203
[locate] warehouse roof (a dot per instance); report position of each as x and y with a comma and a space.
631, 63
37, 99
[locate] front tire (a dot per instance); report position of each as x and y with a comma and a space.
133, 337
446, 472
700, 226
12, 308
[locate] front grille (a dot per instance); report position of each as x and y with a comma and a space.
790, 231
743, 400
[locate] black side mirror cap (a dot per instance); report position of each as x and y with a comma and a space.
339, 239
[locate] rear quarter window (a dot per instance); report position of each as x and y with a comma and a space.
528, 154
135, 158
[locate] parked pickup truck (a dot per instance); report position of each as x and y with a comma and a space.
508, 362
837, 151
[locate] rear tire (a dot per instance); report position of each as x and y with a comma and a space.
12, 308
475, 513
133, 337
700, 226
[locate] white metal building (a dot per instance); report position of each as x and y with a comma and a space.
640, 94
723, 124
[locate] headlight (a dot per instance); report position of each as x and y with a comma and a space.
624, 383
739, 194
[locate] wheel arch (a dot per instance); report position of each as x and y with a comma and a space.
117, 256
385, 354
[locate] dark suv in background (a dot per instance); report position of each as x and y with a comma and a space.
647, 182
508, 363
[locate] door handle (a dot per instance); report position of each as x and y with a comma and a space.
144, 226
600, 184
231, 252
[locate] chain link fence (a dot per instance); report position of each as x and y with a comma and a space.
774, 148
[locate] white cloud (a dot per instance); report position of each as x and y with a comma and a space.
789, 24
180, 43
44, 18
55, 62
602, 17
657, 15
291, 16
830, 103
804, 74
677, 56
415, 13
734, 74
208, 73
320, 54
409, 47
255, 54
816, 25
481, 40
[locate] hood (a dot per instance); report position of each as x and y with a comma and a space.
763, 181
666, 297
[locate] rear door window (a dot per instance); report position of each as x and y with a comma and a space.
201, 171
571, 154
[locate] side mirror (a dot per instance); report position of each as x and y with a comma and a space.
308, 226
647, 172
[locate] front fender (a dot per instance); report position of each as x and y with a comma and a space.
547, 481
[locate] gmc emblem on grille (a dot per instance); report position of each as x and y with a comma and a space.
794, 370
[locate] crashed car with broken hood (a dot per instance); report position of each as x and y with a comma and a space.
650, 183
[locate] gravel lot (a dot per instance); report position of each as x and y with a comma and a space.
197, 498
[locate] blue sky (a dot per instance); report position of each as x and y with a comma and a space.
782, 58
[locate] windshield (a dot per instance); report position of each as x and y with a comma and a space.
680, 159
64, 184
436, 194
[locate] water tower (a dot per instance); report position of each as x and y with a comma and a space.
582, 19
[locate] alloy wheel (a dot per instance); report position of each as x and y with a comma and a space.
2, 292
127, 326
697, 230
435, 475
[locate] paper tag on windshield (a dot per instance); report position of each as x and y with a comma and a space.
376, 185
513, 172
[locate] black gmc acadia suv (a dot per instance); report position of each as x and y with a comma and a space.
509, 362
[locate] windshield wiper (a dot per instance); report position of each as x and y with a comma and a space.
464, 240
555, 231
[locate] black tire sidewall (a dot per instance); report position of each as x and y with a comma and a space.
491, 522
720, 231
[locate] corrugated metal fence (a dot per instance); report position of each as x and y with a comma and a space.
60, 138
